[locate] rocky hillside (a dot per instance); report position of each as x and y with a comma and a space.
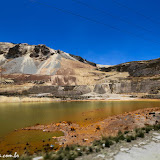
37, 70
33, 59
137, 68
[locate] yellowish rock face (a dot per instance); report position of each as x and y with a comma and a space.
76, 73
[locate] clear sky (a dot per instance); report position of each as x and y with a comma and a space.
26, 21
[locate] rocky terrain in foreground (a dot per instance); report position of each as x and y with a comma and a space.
140, 149
39, 71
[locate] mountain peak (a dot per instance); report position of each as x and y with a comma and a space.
32, 59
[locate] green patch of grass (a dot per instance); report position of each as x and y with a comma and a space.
120, 133
97, 149
126, 132
128, 139
148, 129
108, 143
25, 157
143, 128
58, 157
137, 130
133, 137
90, 149
83, 148
71, 152
97, 143
140, 134
80, 153
67, 148
72, 155
47, 156
156, 127
119, 137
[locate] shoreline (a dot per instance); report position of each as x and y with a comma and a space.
85, 134
5, 99
75, 133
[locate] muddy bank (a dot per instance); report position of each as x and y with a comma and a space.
12, 99
112, 97
85, 134
29, 142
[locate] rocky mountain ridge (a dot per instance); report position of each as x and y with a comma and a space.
37, 70
137, 68
23, 55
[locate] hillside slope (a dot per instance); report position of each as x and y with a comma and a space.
33, 59
137, 68
37, 70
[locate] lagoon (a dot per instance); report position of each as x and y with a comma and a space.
19, 115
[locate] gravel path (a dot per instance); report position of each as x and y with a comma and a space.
147, 148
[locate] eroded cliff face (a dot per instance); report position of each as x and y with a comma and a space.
143, 78
37, 70
129, 86
141, 89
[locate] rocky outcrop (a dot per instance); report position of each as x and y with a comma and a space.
137, 68
83, 60
102, 88
4, 47
129, 86
41, 52
23, 58
16, 51
63, 92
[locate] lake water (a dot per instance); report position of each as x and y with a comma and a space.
19, 115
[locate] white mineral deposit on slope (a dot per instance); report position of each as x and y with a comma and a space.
2, 58
23, 64
67, 56
50, 66
28, 66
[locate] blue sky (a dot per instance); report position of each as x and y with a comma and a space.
26, 21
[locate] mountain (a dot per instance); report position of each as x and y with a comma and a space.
137, 68
37, 70
33, 59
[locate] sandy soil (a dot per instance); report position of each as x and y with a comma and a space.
108, 97
5, 99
